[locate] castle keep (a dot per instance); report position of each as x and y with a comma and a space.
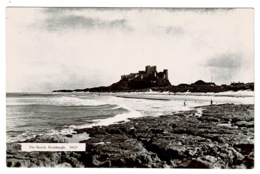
144, 79
149, 73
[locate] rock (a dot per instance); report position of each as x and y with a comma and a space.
245, 149
222, 137
238, 155
211, 159
63, 165
199, 163
69, 135
225, 125
245, 124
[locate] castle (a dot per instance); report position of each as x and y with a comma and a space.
149, 73
158, 81
143, 79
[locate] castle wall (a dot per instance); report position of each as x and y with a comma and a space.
165, 71
150, 72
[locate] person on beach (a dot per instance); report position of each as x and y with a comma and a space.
211, 102
184, 102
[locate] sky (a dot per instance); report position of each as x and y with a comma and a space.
76, 48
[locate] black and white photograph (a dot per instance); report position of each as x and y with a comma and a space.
130, 87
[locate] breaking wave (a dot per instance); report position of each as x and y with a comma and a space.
56, 101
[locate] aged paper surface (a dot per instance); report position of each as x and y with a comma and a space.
83, 48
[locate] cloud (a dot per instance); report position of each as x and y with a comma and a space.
192, 43
200, 10
56, 10
72, 9
225, 67
210, 10
227, 60
71, 22
174, 30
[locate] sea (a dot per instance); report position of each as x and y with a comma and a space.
48, 114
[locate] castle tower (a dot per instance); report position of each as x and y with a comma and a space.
150, 70
154, 71
147, 69
154, 68
165, 72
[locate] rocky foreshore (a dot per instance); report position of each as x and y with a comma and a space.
216, 136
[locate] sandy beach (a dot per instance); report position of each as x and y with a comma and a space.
216, 136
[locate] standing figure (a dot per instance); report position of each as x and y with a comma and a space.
211, 102
184, 103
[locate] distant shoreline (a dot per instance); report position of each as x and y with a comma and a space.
139, 97
196, 87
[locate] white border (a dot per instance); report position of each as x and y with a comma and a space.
131, 3
121, 3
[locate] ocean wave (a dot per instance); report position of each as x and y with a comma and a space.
74, 101
122, 117
20, 137
70, 130
28, 94
114, 113
56, 101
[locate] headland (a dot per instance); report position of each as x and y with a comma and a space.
150, 79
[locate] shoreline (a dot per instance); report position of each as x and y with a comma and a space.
217, 136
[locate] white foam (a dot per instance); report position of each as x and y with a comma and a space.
21, 137
242, 97
74, 101
142, 107
241, 93
111, 120
58, 101
199, 112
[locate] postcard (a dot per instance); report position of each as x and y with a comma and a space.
121, 87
